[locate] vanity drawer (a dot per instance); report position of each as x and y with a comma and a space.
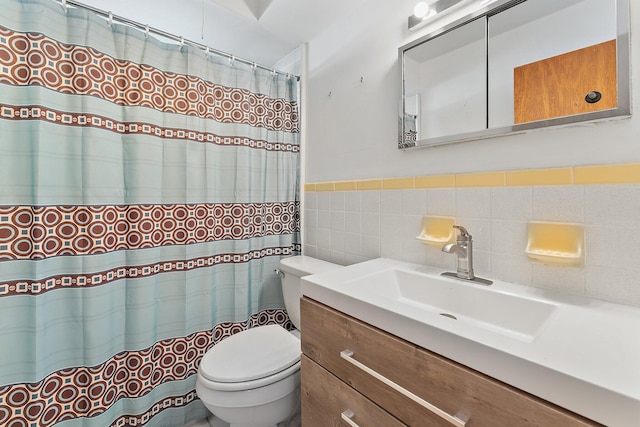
448, 386
325, 399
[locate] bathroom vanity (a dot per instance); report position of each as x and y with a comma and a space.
464, 396
380, 350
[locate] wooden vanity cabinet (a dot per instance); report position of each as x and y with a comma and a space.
381, 372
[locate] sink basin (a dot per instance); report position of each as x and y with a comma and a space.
574, 351
458, 301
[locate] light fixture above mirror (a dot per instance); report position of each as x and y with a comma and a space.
425, 12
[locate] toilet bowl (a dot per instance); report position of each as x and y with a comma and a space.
252, 378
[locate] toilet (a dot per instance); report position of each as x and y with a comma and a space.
252, 378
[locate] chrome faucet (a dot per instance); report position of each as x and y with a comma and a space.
463, 248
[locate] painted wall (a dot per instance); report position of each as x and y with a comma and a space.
370, 197
354, 87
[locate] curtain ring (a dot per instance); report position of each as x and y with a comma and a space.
146, 31
110, 19
232, 59
181, 40
254, 66
64, 5
207, 51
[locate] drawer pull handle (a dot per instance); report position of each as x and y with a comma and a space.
348, 356
346, 417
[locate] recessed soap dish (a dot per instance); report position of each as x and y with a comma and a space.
555, 243
437, 230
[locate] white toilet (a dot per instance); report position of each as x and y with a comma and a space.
252, 378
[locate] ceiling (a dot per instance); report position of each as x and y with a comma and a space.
262, 31
277, 27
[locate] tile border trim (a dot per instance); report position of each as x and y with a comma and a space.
627, 173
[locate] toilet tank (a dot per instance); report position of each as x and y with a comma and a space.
293, 268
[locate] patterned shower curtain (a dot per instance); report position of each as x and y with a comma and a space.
147, 192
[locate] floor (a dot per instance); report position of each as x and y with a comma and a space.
294, 421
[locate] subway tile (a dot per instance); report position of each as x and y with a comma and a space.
414, 202
473, 203
311, 236
482, 179
371, 201
323, 254
558, 203
607, 174
391, 201
371, 184
324, 186
480, 230
353, 201
324, 219
324, 201
337, 240
310, 250
353, 222
511, 203
509, 237
560, 279
337, 257
370, 247
612, 205
612, 247
370, 224
398, 183
620, 285
337, 221
441, 201
435, 181
337, 201
352, 243
310, 218
311, 200
323, 238
559, 176
345, 186
482, 263
436, 258
510, 267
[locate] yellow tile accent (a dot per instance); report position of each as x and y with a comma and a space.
310, 187
486, 179
370, 184
397, 183
325, 186
435, 181
610, 174
560, 176
345, 185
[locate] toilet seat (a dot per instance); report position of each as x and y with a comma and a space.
250, 359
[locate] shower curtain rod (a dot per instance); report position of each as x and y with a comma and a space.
147, 29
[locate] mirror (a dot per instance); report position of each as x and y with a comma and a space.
522, 64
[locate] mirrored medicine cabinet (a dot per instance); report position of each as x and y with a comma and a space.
514, 66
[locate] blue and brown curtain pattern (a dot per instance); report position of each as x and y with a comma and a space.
147, 192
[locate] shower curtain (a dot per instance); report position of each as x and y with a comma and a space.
147, 192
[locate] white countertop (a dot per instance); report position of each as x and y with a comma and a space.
586, 358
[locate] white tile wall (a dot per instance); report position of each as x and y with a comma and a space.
353, 226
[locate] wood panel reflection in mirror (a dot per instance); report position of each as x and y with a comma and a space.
561, 85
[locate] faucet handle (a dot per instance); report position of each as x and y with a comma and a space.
463, 231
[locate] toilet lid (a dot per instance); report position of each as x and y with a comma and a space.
252, 354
